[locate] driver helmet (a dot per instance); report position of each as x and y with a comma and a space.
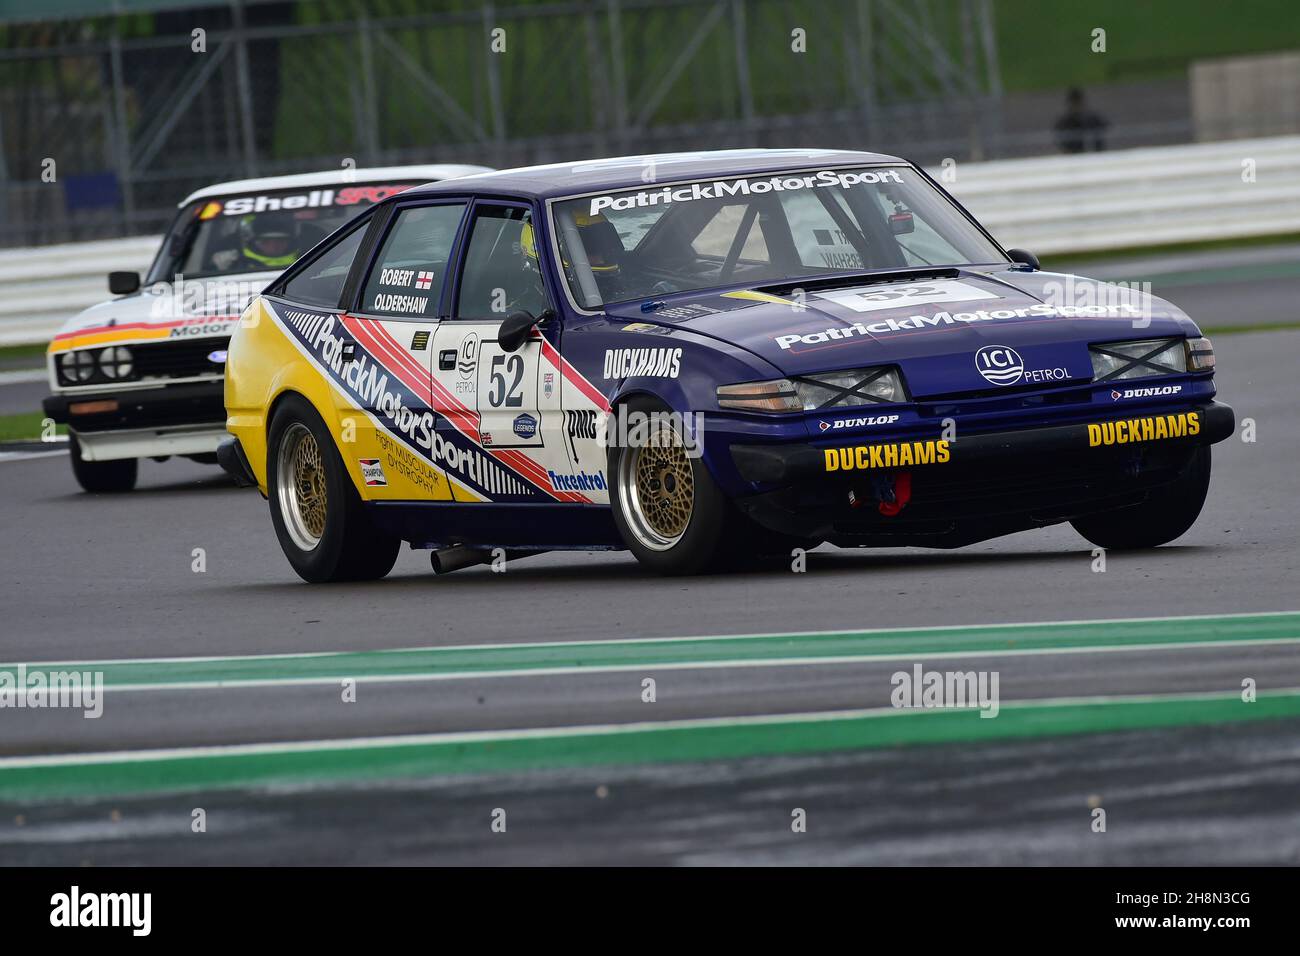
270, 238
599, 239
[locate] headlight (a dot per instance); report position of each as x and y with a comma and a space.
777, 395
1200, 355
854, 386
78, 366
1112, 361
115, 362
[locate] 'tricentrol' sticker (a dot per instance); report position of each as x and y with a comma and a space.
876, 297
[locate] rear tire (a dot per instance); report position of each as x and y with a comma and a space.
668, 509
322, 525
102, 476
1166, 515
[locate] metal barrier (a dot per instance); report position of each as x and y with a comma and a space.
1135, 197
1055, 204
43, 287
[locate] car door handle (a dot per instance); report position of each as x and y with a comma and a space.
447, 359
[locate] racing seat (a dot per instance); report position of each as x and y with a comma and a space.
605, 254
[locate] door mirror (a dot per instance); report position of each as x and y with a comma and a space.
123, 283
515, 329
1024, 257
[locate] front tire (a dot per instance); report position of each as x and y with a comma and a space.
102, 476
322, 525
668, 509
1164, 516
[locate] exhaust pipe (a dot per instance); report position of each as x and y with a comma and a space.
446, 560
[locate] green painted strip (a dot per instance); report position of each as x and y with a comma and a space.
1217, 330
340, 761
1254, 272
915, 642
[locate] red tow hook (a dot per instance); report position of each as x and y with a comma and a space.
902, 495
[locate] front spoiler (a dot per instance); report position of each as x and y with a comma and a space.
786, 463
231, 458
121, 443
164, 408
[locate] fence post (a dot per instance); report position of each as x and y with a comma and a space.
244, 85
614, 13
867, 60
740, 39
123, 136
494, 86
369, 94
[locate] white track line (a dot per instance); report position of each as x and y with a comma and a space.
619, 641
27, 455
473, 736
651, 667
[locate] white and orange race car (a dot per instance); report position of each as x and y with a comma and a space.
140, 376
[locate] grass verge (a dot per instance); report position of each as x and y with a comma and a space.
11, 352
25, 426
1169, 249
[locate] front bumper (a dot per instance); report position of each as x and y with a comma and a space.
196, 403
780, 464
151, 442
971, 487
144, 423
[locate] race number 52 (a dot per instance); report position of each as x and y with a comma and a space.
510, 395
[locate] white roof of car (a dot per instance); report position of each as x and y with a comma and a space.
339, 177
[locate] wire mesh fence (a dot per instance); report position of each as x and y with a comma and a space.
107, 123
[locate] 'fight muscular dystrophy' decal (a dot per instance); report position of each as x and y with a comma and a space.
382, 379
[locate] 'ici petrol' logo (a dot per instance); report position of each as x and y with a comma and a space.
1000, 364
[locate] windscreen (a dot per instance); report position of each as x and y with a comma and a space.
657, 240
261, 231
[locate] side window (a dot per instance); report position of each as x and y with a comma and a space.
501, 272
407, 276
320, 282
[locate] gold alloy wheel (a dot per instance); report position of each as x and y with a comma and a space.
657, 488
300, 481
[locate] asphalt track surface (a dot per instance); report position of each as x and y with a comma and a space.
481, 694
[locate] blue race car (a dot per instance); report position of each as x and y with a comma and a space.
699, 357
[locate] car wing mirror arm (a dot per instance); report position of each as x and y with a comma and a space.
516, 328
